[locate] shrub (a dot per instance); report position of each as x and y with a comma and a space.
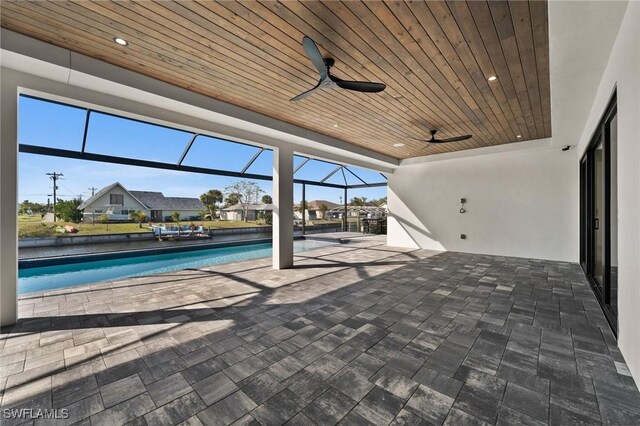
266, 216
68, 210
138, 216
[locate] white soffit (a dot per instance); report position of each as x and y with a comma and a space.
30, 56
581, 36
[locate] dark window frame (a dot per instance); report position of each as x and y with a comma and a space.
111, 198
601, 134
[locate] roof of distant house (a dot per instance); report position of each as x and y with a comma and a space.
152, 200
315, 204
157, 201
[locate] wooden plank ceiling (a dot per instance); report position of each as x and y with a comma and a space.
435, 58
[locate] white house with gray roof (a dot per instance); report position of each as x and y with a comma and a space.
236, 211
117, 202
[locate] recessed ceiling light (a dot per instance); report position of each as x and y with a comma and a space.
492, 78
518, 136
121, 41
398, 145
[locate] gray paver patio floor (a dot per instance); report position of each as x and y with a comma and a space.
359, 333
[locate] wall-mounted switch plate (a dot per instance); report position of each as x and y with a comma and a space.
463, 236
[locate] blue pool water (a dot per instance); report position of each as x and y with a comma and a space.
50, 277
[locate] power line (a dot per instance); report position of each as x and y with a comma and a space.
93, 190
79, 195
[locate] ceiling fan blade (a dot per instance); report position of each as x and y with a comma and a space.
305, 94
359, 86
419, 139
454, 139
314, 55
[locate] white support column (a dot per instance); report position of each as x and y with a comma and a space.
282, 208
8, 202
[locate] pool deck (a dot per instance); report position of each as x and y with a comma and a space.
357, 333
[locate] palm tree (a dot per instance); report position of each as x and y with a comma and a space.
175, 216
210, 199
359, 201
303, 208
104, 219
323, 209
138, 216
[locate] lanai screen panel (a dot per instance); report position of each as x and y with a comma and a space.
214, 153
122, 137
53, 128
50, 124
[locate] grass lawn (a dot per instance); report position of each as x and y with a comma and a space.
34, 227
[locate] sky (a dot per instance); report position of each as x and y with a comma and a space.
57, 126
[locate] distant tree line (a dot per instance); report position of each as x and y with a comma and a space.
35, 208
363, 201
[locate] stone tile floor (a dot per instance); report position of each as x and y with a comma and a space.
359, 333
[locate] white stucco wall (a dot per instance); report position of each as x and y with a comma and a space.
519, 203
623, 72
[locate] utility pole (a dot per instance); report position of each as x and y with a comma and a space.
54, 177
93, 190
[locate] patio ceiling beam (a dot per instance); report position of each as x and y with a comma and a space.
331, 174
86, 130
187, 148
344, 177
312, 183
56, 152
253, 159
357, 177
306, 159
368, 185
31, 149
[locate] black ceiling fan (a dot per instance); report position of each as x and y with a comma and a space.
328, 81
434, 140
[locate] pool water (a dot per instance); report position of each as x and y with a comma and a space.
73, 274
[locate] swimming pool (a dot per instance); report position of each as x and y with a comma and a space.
73, 274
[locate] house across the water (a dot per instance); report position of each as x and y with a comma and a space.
236, 211
316, 209
117, 202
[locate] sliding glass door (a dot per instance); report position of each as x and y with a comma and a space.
599, 214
